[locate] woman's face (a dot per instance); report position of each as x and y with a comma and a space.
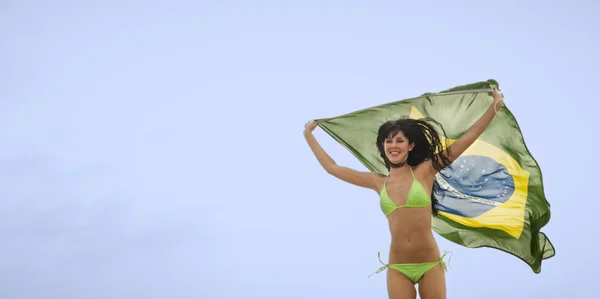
397, 147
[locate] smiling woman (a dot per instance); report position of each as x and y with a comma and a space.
414, 152
396, 139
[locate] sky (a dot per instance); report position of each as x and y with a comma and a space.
154, 149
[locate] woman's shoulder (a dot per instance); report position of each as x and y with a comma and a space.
425, 169
379, 180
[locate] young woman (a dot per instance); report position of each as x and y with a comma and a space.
414, 154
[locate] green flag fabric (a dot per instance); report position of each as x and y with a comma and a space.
493, 193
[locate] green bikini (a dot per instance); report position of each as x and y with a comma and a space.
417, 198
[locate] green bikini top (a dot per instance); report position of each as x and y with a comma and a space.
417, 197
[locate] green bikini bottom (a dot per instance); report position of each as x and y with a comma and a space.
414, 272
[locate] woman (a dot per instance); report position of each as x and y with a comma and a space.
414, 154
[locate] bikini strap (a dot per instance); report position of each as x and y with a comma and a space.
411, 172
385, 266
445, 264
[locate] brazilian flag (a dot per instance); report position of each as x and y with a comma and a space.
493, 193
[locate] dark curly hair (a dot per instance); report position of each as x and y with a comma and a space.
427, 146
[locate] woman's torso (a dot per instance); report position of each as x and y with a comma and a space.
412, 240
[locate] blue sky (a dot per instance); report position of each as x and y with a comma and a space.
154, 149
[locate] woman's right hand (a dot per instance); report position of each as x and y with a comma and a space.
310, 126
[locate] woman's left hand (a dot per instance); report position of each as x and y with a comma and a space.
498, 96
498, 99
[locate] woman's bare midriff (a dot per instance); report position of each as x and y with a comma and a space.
412, 240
